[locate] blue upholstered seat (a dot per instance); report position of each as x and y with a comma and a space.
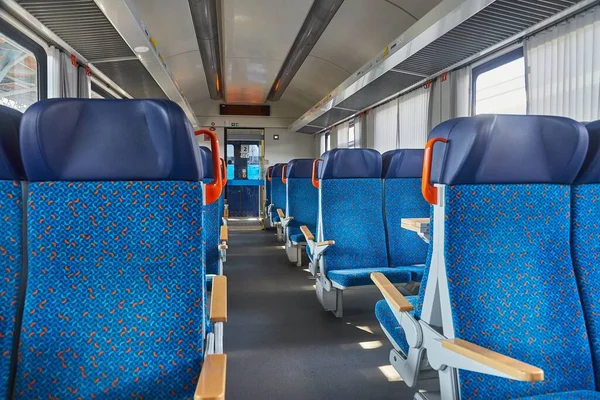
115, 302
211, 217
509, 273
302, 198
388, 321
11, 244
577, 395
352, 215
585, 240
277, 191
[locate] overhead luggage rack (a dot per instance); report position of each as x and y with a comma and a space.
453, 33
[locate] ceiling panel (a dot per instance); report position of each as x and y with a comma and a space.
385, 86
415, 8
257, 35
132, 76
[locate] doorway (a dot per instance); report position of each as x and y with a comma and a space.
244, 150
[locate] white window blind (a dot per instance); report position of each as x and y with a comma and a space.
563, 65
385, 126
413, 119
342, 135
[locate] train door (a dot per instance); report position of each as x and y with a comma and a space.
245, 160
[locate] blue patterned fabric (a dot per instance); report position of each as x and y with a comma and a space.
278, 194
388, 320
362, 276
352, 216
114, 305
302, 201
578, 395
512, 285
585, 247
403, 199
221, 206
11, 262
422, 287
211, 227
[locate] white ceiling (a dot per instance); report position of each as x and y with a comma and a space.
257, 35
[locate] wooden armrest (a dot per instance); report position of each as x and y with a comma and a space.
306, 232
223, 247
211, 385
391, 293
420, 225
516, 369
325, 243
226, 213
224, 233
218, 299
280, 213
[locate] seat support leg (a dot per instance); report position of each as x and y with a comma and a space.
291, 252
299, 251
331, 300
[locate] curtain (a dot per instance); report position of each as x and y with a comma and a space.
450, 98
385, 126
563, 65
321, 144
341, 136
360, 130
69, 77
54, 60
413, 119
84, 84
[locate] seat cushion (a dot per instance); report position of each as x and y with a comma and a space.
388, 321
578, 395
362, 276
297, 238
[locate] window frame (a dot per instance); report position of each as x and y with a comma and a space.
38, 52
490, 65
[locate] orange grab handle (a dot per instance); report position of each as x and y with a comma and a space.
315, 181
213, 189
269, 177
223, 172
283, 178
430, 192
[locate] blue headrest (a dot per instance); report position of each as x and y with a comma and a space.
276, 171
508, 149
206, 163
403, 163
11, 165
350, 163
87, 140
299, 168
590, 171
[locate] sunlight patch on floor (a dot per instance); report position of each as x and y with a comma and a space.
390, 373
373, 344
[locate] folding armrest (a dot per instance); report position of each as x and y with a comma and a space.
218, 301
307, 233
418, 225
211, 384
225, 214
284, 220
316, 248
223, 238
461, 354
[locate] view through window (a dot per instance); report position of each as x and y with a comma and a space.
501, 90
18, 75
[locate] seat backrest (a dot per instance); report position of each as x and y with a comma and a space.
210, 217
350, 209
302, 197
268, 185
11, 239
585, 240
504, 205
277, 188
402, 198
114, 303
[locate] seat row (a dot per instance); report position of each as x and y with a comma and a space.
507, 306
346, 208
106, 244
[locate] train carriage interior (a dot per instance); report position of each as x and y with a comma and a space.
300, 199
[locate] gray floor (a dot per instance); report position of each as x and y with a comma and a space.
282, 345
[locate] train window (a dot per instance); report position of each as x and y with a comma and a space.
351, 135
499, 85
327, 141
18, 75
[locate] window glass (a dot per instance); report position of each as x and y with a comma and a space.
253, 161
18, 75
327, 141
351, 136
501, 88
230, 162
